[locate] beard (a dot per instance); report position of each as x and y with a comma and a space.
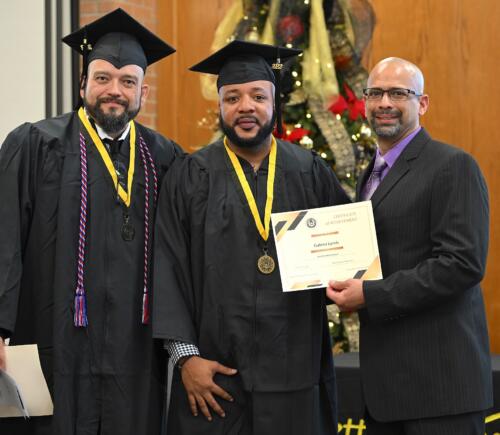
112, 123
264, 132
386, 130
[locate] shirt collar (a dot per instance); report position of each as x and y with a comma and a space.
392, 155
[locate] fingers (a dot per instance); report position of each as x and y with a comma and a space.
219, 368
332, 294
197, 376
192, 405
206, 401
338, 298
196, 401
203, 407
350, 298
222, 393
3, 356
209, 398
337, 285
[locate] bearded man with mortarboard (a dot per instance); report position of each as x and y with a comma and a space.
78, 195
250, 359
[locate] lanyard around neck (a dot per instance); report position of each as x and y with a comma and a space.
125, 196
263, 229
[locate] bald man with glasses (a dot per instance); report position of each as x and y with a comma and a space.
424, 354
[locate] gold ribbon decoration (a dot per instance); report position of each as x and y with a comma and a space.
126, 197
349, 30
268, 33
262, 228
318, 71
223, 35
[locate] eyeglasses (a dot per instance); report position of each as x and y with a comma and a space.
395, 94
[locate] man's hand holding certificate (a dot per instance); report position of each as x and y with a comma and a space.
318, 245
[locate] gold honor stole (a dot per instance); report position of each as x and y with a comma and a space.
126, 197
265, 263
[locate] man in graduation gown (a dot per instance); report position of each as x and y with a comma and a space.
77, 201
250, 359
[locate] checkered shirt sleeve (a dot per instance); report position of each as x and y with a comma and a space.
179, 349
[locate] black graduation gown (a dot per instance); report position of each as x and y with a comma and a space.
209, 292
110, 373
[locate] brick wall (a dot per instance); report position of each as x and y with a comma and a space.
144, 11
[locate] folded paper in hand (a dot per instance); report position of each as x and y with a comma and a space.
23, 389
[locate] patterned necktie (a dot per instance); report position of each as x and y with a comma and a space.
113, 147
375, 178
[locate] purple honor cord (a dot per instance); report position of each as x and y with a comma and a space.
80, 317
145, 154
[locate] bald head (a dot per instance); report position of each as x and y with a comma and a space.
395, 66
391, 117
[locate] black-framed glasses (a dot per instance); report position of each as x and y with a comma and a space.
395, 94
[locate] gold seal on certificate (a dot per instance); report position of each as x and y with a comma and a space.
318, 245
266, 264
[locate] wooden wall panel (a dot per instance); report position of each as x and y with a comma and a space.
453, 41
189, 25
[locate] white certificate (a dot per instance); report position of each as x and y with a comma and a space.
318, 245
23, 389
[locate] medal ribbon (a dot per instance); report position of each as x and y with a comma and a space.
263, 229
126, 197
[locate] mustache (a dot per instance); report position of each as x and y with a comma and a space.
102, 100
246, 119
395, 112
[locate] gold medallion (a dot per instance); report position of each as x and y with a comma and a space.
265, 264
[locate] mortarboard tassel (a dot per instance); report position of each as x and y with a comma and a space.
277, 67
86, 48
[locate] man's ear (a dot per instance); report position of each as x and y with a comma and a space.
423, 104
144, 93
83, 83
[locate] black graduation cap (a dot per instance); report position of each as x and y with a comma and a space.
119, 39
242, 62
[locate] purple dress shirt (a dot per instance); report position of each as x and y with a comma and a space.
389, 158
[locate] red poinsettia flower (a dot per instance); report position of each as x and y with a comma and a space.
339, 106
297, 134
294, 136
355, 107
